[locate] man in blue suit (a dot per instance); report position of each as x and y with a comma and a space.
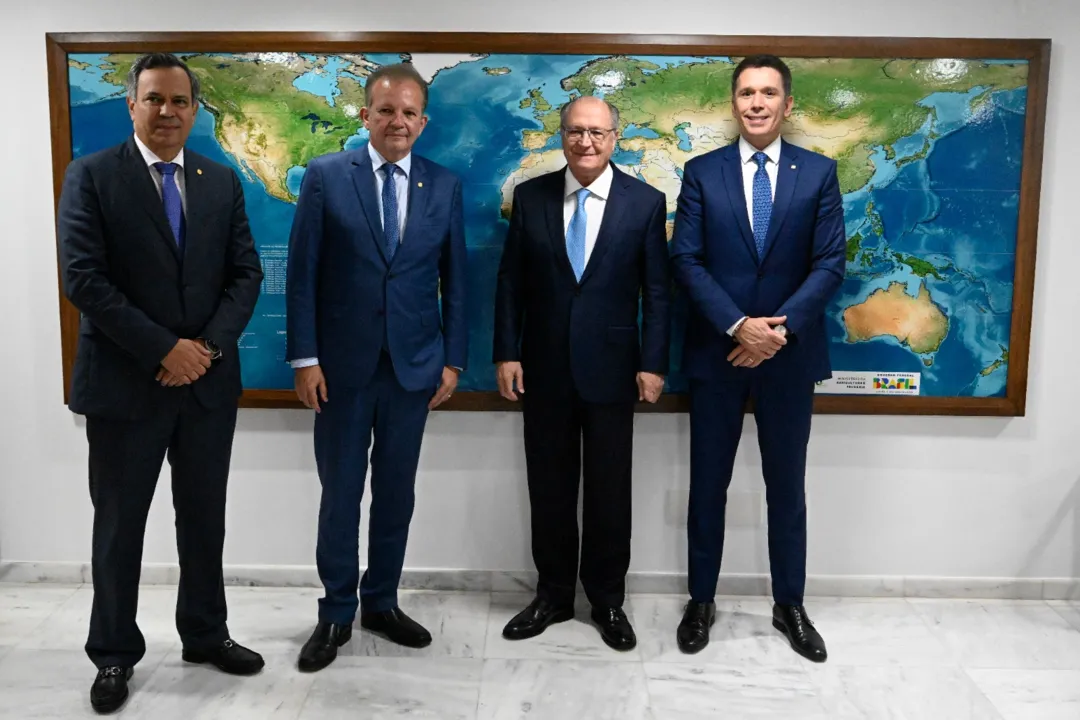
378, 235
759, 248
585, 244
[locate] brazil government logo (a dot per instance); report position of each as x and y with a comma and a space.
870, 383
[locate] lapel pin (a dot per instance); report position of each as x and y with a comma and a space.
419, 184
199, 171
792, 167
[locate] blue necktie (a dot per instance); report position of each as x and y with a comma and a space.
391, 228
170, 198
575, 235
762, 202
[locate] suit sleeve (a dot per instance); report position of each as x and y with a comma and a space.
656, 295
688, 258
244, 278
828, 261
84, 260
302, 269
509, 290
453, 272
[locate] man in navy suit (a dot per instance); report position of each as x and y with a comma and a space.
584, 245
759, 249
157, 255
377, 237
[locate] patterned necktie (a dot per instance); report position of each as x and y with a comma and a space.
170, 198
762, 202
575, 235
391, 228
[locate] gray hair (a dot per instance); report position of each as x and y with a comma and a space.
153, 61
565, 112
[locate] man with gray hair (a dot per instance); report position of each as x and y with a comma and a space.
156, 254
584, 244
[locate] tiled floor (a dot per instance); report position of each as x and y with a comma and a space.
935, 659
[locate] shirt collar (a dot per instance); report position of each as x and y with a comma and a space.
151, 158
600, 187
377, 161
746, 151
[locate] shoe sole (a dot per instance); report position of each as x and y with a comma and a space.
560, 617
112, 707
780, 626
316, 667
197, 659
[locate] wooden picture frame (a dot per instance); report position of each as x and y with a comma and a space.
1036, 52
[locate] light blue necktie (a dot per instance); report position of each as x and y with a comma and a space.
170, 198
575, 235
762, 202
391, 229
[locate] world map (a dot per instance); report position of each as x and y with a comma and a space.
929, 157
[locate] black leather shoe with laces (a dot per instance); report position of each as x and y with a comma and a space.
793, 621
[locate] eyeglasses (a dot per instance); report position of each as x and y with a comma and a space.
578, 134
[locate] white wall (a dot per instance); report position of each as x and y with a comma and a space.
888, 495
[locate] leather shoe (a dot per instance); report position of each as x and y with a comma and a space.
535, 619
693, 632
396, 626
321, 648
110, 688
228, 657
615, 628
793, 621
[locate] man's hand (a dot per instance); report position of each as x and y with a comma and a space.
187, 361
758, 338
741, 357
167, 379
446, 388
649, 386
310, 386
508, 374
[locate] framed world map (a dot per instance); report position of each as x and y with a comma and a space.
938, 144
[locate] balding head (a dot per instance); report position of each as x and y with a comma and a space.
590, 128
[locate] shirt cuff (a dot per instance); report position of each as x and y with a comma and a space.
303, 363
731, 330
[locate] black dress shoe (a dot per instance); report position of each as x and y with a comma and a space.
228, 657
396, 626
615, 628
321, 648
693, 632
793, 621
535, 619
110, 688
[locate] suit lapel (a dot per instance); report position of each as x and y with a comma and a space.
733, 181
145, 194
197, 200
787, 173
367, 191
417, 199
553, 210
609, 225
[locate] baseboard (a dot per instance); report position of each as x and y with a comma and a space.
637, 582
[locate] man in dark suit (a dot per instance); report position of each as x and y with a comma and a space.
759, 249
378, 236
584, 244
157, 256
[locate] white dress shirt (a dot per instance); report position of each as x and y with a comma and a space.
595, 203
150, 158
401, 184
749, 169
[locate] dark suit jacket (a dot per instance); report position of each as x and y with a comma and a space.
715, 260
122, 269
586, 331
346, 301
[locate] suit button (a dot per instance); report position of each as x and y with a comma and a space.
390, 276
760, 275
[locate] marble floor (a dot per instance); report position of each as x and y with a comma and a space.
889, 658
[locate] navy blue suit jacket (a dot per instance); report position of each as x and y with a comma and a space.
715, 261
346, 301
137, 294
587, 331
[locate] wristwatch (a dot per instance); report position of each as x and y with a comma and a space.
215, 351
782, 329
